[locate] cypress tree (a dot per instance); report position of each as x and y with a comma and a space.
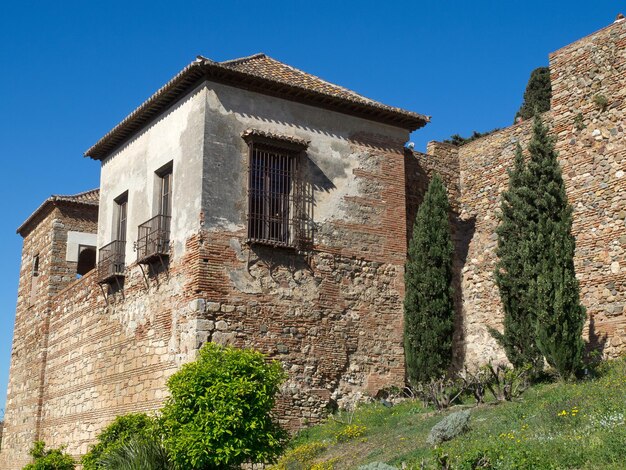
560, 316
515, 270
428, 303
537, 95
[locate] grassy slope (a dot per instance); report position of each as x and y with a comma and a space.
579, 425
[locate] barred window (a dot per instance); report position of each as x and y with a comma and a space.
279, 214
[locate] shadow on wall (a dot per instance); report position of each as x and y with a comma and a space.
417, 179
597, 342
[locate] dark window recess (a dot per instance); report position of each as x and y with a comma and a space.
36, 266
279, 212
153, 240
86, 260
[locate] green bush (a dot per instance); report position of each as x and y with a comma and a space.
115, 435
449, 427
219, 411
51, 459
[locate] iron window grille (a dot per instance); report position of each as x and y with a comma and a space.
280, 204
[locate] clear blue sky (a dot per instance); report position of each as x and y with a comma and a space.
69, 71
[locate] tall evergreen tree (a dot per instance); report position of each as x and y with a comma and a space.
537, 95
428, 303
560, 316
515, 270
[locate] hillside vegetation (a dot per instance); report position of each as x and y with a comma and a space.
560, 425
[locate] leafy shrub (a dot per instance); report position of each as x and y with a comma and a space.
301, 457
116, 434
376, 466
137, 453
449, 427
51, 459
219, 411
350, 432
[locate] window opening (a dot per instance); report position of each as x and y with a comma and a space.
36, 265
280, 203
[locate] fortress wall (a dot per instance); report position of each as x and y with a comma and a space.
47, 240
108, 358
591, 140
591, 143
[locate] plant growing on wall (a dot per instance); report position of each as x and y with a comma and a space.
560, 316
219, 414
49, 459
428, 302
515, 269
537, 95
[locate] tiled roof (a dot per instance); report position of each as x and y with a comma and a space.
89, 198
262, 65
262, 74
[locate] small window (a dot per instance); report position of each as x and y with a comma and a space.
86, 260
36, 265
278, 213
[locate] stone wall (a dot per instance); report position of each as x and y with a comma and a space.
592, 151
332, 315
36, 291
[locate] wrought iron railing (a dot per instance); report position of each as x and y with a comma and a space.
154, 238
111, 261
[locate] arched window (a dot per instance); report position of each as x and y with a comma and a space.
86, 260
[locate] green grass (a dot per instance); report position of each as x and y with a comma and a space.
553, 426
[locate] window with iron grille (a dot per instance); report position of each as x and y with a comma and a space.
279, 213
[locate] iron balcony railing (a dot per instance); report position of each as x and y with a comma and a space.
154, 238
111, 261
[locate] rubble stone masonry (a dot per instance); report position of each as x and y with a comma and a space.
590, 139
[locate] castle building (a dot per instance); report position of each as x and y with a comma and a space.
249, 203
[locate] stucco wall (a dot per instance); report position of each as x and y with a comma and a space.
175, 136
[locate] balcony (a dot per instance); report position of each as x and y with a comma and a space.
153, 241
111, 262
